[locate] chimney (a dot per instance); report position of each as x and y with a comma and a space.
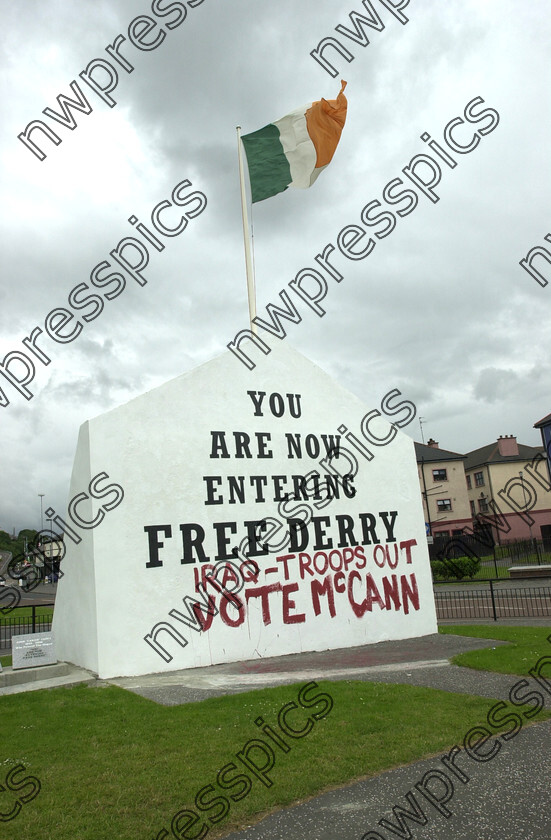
507, 445
432, 443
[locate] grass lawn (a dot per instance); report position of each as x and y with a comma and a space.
112, 764
528, 645
489, 571
527, 557
17, 612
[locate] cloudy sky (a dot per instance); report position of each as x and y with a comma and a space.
441, 309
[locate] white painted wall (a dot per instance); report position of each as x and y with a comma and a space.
157, 448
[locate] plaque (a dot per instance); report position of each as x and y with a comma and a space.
33, 650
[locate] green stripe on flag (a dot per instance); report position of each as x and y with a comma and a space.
269, 169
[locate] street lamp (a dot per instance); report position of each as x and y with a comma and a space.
41, 514
51, 535
524, 494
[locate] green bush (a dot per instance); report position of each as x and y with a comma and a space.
458, 568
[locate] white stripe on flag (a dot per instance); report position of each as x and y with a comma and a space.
298, 147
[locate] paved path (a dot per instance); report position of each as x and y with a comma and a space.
506, 798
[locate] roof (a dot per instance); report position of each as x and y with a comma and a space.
431, 453
545, 421
490, 455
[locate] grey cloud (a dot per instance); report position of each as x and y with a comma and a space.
440, 309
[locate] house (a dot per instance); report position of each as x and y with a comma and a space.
544, 425
506, 479
443, 489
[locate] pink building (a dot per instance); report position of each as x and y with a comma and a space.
508, 487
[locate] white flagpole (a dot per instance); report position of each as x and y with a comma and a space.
251, 293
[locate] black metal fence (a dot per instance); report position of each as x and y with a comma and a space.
495, 560
493, 600
19, 622
456, 545
524, 552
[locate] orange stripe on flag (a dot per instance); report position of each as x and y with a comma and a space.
325, 121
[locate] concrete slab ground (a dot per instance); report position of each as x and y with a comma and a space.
49, 676
422, 661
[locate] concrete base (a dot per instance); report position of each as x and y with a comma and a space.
49, 676
529, 571
415, 661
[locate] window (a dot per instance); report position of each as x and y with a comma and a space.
440, 475
469, 484
483, 505
479, 479
444, 504
473, 509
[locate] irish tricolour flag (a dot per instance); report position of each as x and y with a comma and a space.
293, 151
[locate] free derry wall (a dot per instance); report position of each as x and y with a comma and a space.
265, 512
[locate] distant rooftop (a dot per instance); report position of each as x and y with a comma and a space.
432, 452
495, 453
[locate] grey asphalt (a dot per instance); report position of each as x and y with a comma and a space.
43, 594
